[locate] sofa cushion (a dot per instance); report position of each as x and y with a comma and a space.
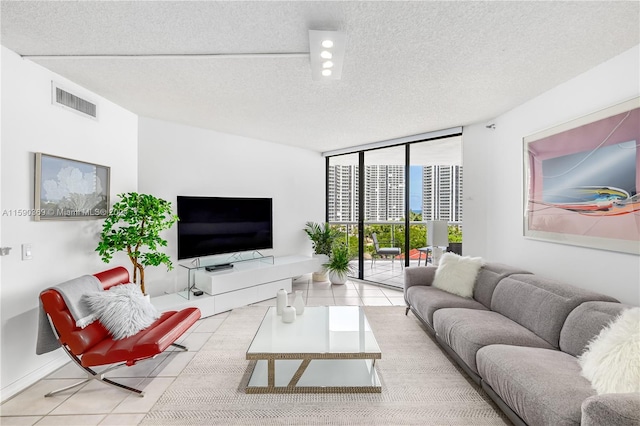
585, 322
459, 328
544, 387
540, 304
619, 409
488, 278
426, 300
146, 344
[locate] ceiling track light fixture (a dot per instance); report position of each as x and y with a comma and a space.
326, 54
256, 55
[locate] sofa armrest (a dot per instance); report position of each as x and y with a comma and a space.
619, 409
418, 275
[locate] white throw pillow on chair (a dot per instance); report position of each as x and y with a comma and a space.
122, 310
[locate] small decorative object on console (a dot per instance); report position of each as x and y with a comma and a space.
281, 300
288, 314
298, 303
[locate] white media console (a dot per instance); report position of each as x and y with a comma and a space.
247, 282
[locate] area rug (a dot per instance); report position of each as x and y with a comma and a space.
420, 384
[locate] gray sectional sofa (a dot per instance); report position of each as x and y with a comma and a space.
519, 337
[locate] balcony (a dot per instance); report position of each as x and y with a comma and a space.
388, 271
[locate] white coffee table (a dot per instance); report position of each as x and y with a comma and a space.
327, 349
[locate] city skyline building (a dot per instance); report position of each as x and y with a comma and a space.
384, 193
343, 193
441, 193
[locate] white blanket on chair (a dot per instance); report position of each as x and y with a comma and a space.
72, 292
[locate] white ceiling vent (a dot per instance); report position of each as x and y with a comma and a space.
72, 102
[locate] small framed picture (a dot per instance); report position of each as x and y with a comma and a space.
67, 189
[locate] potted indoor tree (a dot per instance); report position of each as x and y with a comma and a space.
338, 266
133, 226
322, 237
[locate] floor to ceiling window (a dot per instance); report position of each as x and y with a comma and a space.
375, 195
343, 205
384, 213
436, 194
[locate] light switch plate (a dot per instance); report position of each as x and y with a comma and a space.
27, 253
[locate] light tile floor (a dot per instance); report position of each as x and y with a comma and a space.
385, 272
97, 404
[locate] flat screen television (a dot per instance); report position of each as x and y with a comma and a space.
217, 225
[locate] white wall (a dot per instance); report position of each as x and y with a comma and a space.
180, 160
493, 209
1, 241
61, 249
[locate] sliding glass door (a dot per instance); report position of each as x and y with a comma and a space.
384, 214
436, 193
375, 196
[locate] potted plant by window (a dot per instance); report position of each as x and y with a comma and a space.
322, 237
338, 266
133, 226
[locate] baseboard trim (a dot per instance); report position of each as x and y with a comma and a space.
21, 384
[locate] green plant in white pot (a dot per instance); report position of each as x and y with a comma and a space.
322, 236
339, 267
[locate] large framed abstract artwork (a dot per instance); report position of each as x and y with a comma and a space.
70, 189
582, 181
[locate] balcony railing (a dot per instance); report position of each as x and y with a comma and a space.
390, 234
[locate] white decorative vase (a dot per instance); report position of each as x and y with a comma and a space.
281, 300
320, 275
298, 303
336, 278
288, 314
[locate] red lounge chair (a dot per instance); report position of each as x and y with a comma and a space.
93, 346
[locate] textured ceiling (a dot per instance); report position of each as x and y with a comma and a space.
410, 67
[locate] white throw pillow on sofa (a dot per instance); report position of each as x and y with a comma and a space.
457, 274
612, 359
122, 310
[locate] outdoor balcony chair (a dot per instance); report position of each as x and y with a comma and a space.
384, 251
